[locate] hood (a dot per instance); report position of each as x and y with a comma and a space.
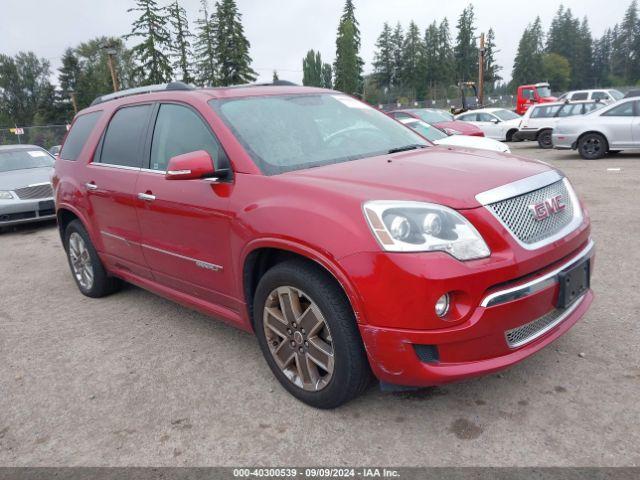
548, 99
465, 141
437, 174
463, 127
21, 178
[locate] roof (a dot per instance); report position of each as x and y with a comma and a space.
19, 147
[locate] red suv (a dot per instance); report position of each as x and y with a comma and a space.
346, 242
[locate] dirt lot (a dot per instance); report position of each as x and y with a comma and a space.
135, 380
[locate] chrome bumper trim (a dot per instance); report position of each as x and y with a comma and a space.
529, 288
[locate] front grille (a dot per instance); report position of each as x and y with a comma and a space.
516, 213
528, 332
35, 191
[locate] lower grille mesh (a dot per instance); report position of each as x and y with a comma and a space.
35, 191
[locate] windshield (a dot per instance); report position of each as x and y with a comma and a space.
433, 116
616, 94
427, 131
20, 159
291, 132
544, 91
505, 115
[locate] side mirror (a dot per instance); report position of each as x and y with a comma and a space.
495, 120
190, 166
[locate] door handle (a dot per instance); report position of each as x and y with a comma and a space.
91, 186
147, 197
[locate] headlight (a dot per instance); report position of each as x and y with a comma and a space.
451, 131
5, 195
424, 227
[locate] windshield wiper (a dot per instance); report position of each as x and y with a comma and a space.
406, 148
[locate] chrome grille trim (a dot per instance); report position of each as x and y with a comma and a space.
515, 215
519, 336
519, 187
37, 190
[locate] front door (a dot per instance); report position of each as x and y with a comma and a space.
620, 121
185, 223
110, 184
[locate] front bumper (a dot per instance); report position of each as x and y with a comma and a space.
526, 135
510, 291
14, 212
564, 141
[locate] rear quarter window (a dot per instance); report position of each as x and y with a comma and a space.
78, 135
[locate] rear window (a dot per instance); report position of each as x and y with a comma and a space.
77, 137
121, 144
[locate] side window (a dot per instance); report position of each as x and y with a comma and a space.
599, 96
468, 118
78, 135
624, 110
485, 117
180, 130
580, 96
121, 143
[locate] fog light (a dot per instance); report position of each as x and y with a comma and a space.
442, 305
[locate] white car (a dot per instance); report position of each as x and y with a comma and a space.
439, 137
608, 95
497, 123
609, 129
540, 119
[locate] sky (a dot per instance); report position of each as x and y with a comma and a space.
282, 31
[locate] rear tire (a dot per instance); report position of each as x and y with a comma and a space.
308, 335
592, 146
85, 264
544, 139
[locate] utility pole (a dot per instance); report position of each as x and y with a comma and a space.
481, 53
111, 52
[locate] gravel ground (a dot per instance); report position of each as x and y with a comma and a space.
134, 379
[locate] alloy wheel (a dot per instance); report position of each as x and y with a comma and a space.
592, 146
81, 261
299, 338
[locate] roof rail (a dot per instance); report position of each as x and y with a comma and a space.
140, 90
277, 83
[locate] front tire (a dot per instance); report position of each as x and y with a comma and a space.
592, 146
544, 140
308, 335
87, 269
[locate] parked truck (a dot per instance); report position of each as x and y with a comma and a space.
531, 94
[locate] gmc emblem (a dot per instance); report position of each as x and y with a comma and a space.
547, 207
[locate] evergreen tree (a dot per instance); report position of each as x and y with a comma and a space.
151, 27
397, 43
232, 46
181, 41
69, 72
446, 57
627, 57
557, 70
582, 75
327, 76
383, 61
348, 64
528, 65
466, 51
413, 62
205, 46
602, 59
491, 68
312, 69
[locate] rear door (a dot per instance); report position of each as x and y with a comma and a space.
111, 181
491, 129
185, 223
620, 123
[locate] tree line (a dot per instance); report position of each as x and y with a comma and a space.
164, 49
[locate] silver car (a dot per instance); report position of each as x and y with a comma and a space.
25, 184
610, 129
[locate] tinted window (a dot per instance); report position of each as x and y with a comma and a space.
600, 96
528, 94
485, 117
624, 110
571, 109
468, 118
545, 112
121, 145
180, 130
580, 96
78, 135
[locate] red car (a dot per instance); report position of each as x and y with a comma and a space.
346, 242
531, 94
439, 118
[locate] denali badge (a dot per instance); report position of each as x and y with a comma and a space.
547, 207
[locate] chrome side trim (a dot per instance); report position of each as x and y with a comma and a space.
199, 263
519, 187
529, 288
37, 184
542, 331
110, 165
116, 237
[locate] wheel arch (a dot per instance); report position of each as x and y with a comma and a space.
64, 216
583, 134
261, 256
